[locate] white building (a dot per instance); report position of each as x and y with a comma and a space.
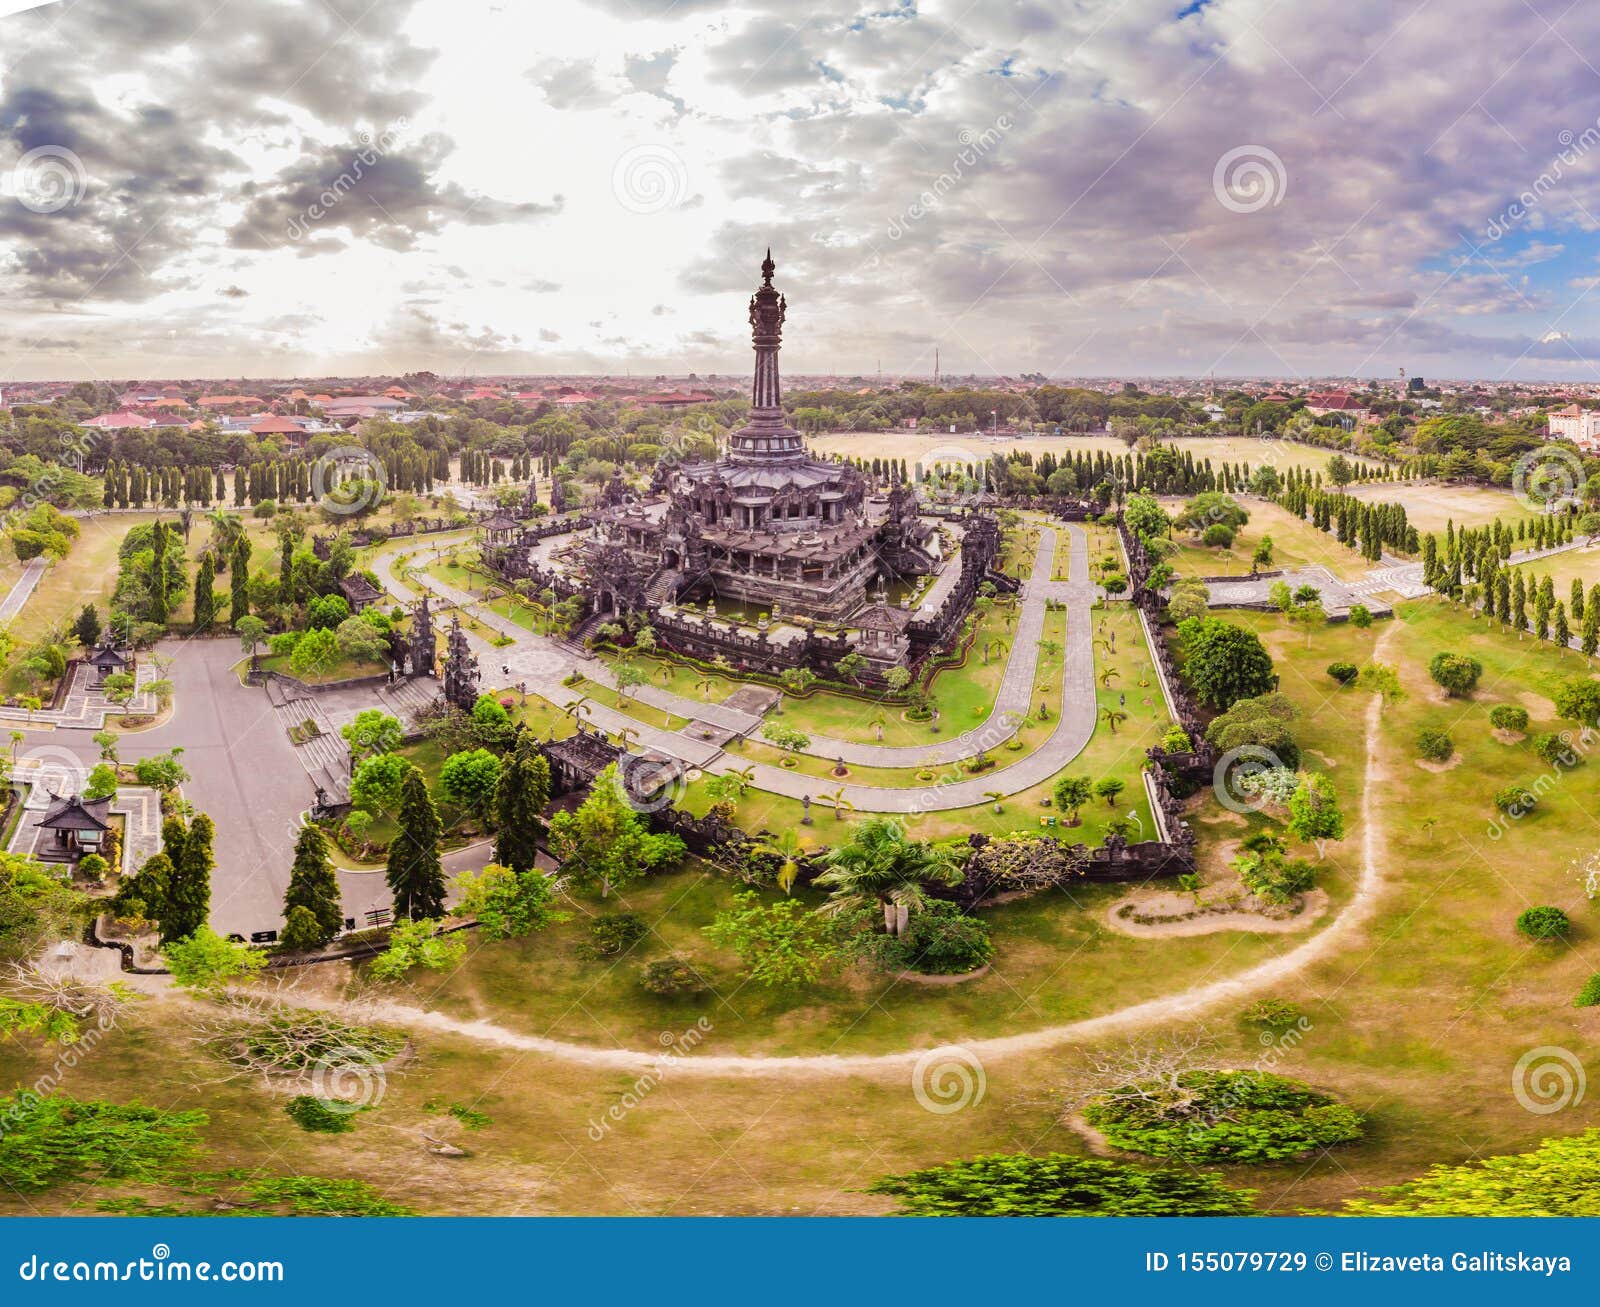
1579, 425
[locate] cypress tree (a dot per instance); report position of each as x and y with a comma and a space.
415, 877
519, 800
205, 595
188, 903
239, 581
314, 886
158, 573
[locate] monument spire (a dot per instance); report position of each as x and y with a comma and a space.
767, 436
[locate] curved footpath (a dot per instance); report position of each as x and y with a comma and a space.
542, 665
1340, 933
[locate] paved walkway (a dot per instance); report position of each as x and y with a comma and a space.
542, 665
19, 593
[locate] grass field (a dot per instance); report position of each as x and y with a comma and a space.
1428, 507
929, 447
1295, 543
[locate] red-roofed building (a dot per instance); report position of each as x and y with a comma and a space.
230, 401
293, 433
121, 421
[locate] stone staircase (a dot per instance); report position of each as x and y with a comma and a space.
319, 746
663, 588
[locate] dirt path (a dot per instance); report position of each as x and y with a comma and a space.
1173, 1007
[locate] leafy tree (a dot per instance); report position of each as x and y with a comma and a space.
418, 943
205, 961
1015, 1184
780, 943
415, 876
508, 904
1145, 517
1457, 673
54, 1139
1070, 794
1223, 662
1344, 673
1262, 722
372, 731
1561, 1177
606, 843
101, 782
314, 652
470, 779
1109, 788
375, 784
314, 886
1360, 616
519, 801
490, 712
1578, 700
1314, 813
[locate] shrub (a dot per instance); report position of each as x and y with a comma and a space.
1508, 717
1589, 995
1457, 673
1016, 1184
1218, 534
1516, 800
613, 936
1274, 1014
1360, 616
93, 866
1435, 745
1223, 1116
1176, 740
1556, 749
318, 1116
939, 940
1344, 673
1544, 922
671, 977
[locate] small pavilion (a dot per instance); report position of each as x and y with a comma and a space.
79, 827
106, 661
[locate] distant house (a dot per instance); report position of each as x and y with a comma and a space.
362, 406
218, 402
121, 421
1337, 403
1579, 425
106, 661
292, 430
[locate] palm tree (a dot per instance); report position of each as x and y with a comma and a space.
840, 803
878, 722
579, 708
788, 847
1113, 717
706, 684
994, 797
1106, 677
625, 734
881, 865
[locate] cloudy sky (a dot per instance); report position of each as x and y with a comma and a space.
1299, 188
